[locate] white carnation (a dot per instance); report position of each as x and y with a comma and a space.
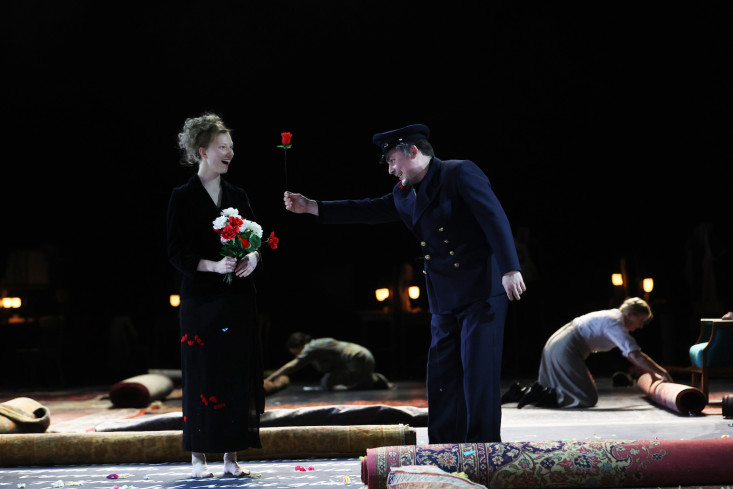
220, 222
253, 227
230, 212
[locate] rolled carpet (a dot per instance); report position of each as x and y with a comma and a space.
166, 446
676, 397
337, 414
593, 463
140, 391
24, 415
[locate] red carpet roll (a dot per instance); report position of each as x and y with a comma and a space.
140, 391
593, 463
677, 397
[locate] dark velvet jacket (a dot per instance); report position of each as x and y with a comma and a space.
191, 236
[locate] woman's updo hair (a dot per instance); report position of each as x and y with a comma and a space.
198, 132
637, 307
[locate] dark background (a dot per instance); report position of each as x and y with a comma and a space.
604, 129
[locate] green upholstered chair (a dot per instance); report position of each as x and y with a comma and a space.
712, 353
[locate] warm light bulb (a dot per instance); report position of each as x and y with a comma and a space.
617, 279
175, 300
647, 284
413, 292
11, 302
381, 294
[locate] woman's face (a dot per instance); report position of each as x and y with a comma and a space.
632, 322
218, 155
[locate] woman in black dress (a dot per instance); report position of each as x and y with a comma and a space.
221, 360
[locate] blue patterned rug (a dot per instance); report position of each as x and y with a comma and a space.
279, 474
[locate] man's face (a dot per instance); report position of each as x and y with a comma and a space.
405, 168
632, 322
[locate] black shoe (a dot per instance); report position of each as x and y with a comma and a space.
514, 393
540, 395
550, 399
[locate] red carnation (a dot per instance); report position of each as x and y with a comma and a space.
235, 221
273, 240
228, 232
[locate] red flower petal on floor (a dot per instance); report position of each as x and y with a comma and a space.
183, 338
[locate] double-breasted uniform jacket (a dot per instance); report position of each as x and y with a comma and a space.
462, 229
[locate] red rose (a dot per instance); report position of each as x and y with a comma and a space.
245, 242
286, 138
273, 240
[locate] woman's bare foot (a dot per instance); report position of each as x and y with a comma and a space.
231, 467
199, 468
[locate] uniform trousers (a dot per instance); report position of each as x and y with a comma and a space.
464, 373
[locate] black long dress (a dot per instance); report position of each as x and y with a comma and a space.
221, 355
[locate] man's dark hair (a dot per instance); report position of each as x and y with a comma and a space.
422, 144
297, 339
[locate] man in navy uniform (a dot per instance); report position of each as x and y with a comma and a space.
471, 268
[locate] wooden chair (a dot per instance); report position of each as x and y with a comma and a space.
712, 353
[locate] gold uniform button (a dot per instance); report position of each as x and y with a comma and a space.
424, 272
446, 241
457, 265
422, 243
451, 253
427, 257
440, 229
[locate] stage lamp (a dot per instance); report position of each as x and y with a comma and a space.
617, 279
413, 292
381, 294
11, 302
647, 284
175, 300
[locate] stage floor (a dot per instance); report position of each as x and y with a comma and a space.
622, 413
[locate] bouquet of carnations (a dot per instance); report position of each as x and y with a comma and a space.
239, 236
